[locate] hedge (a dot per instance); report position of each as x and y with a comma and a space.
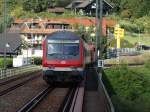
9, 62
37, 60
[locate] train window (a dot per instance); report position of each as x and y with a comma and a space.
63, 50
71, 49
54, 49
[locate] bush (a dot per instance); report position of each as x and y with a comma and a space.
1, 63
143, 23
128, 26
9, 62
37, 60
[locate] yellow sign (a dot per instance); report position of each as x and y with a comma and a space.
119, 33
118, 43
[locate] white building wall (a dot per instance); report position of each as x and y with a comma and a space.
38, 53
32, 53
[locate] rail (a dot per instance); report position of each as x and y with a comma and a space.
104, 95
73, 101
29, 106
5, 73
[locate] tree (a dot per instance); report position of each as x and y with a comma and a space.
36, 5
62, 3
134, 8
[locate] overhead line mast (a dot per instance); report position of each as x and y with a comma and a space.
99, 19
5, 30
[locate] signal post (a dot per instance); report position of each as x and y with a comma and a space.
119, 34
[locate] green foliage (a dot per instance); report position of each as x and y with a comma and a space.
129, 26
131, 8
37, 60
85, 31
1, 27
147, 64
8, 23
36, 5
126, 14
124, 43
62, 3
17, 12
143, 23
42, 5
131, 86
1, 63
9, 62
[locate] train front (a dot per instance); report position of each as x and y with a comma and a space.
62, 57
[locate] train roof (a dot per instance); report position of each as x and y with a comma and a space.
64, 35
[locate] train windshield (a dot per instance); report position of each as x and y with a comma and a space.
63, 51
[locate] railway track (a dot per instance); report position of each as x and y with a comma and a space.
14, 79
67, 101
15, 86
73, 101
67, 105
34, 102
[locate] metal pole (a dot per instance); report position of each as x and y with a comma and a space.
27, 55
97, 34
101, 24
32, 38
5, 30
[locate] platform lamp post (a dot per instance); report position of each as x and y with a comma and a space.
7, 45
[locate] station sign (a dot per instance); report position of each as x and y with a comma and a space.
119, 33
101, 63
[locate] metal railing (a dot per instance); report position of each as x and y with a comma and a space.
5, 73
107, 103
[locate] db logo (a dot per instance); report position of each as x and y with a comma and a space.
63, 62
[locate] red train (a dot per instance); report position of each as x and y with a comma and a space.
65, 55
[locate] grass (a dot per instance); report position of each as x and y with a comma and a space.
123, 43
139, 59
129, 88
135, 38
131, 39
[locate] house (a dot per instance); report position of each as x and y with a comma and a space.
56, 10
10, 43
88, 7
33, 31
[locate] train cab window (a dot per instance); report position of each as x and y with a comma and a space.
54, 49
71, 49
63, 50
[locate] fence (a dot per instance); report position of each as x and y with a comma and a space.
104, 96
111, 53
4, 73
